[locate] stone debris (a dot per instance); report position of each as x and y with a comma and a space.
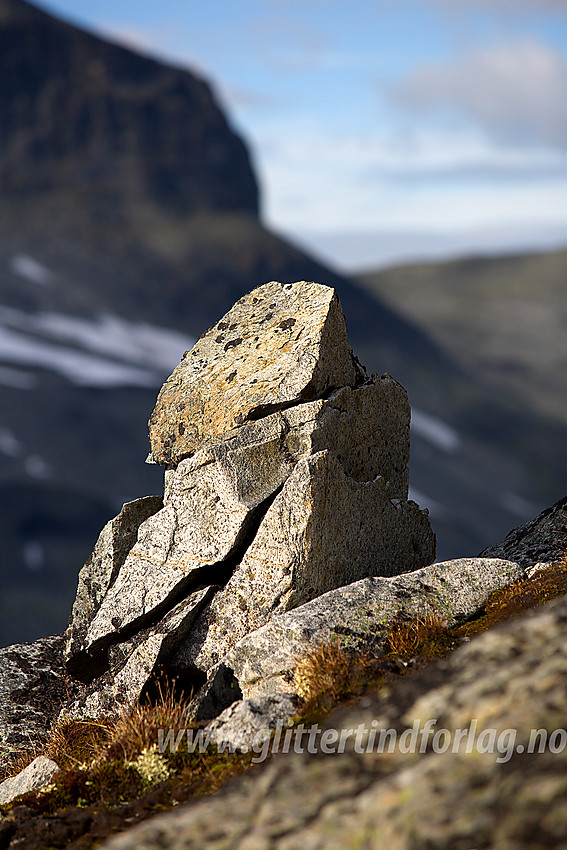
246, 724
129, 666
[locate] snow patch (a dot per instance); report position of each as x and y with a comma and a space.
125, 353
37, 467
33, 555
25, 266
16, 378
9, 444
78, 367
140, 343
517, 505
436, 432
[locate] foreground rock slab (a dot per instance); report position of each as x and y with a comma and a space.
359, 615
36, 775
281, 344
498, 796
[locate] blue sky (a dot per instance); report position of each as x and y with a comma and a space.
381, 129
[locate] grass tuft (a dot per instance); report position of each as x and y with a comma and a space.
425, 638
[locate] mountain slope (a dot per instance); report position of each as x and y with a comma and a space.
502, 317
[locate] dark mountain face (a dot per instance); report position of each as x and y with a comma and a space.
112, 129
128, 225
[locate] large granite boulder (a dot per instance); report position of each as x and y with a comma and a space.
286, 477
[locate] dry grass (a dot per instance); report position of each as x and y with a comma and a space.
136, 729
427, 638
329, 674
124, 736
519, 597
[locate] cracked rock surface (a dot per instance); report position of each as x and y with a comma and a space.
263, 661
286, 476
451, 800
300, 552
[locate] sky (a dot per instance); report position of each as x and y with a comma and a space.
381, 130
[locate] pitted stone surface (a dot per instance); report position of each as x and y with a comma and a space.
32, 689
100, 571
286, 477
324, 530
279, 344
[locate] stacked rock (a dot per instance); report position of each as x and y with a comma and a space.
286, 477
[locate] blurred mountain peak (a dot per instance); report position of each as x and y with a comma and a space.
100, 123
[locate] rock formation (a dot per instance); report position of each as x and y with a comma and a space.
284, 523
286, 477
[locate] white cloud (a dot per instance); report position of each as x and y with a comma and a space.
515, 92
317, 180
319, 192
